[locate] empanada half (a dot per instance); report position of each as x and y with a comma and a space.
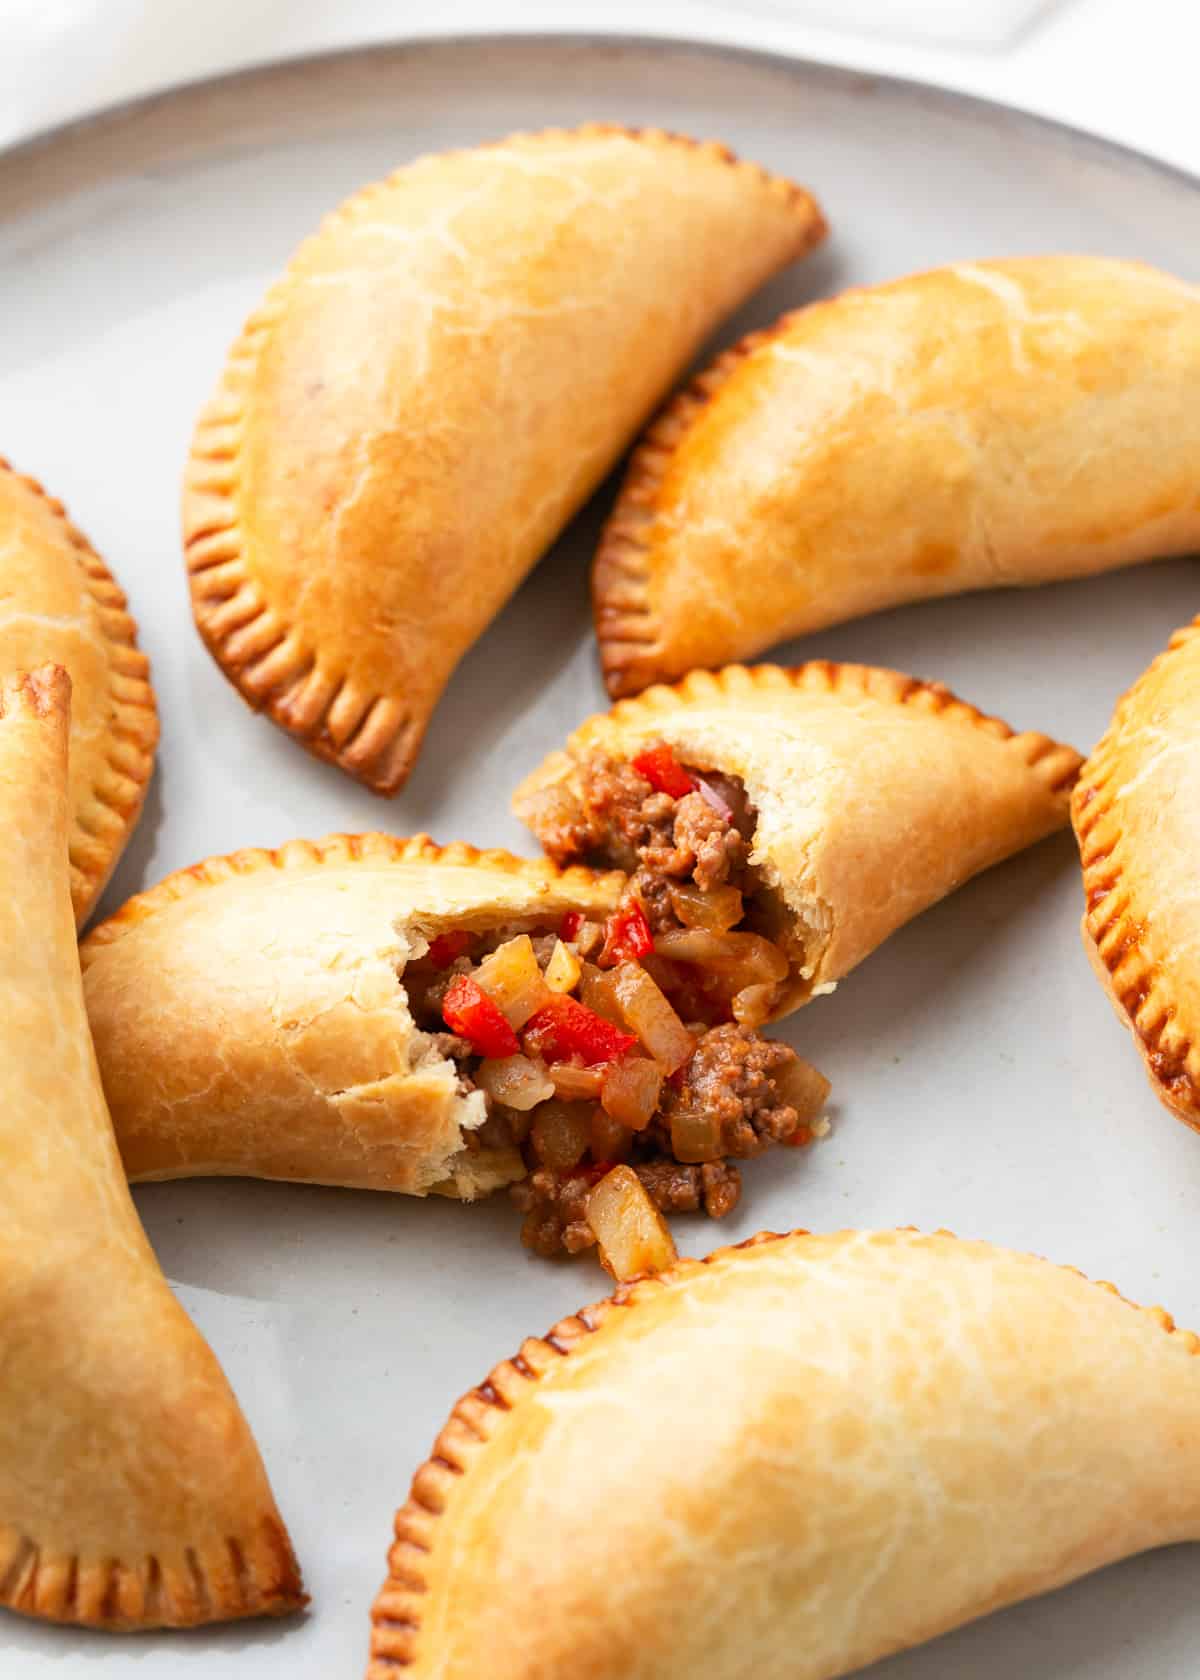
1137, 817
867, 796
446, 371
789, 1460
990, 423
59, 602
251, 1018
131, 1491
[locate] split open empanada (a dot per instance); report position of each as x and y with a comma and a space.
131, 1492
838, 800
1137, 817
59, 602
447, 370
990, 423
789, 1460
394, 1015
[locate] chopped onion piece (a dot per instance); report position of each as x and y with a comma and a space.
648, 1014
631, 1234
748, 956
560, 1135
516, 1081
711, 797
753, 1004
718, 909
512, 979
695, 1135
631, 1091
803, 1088
607, 1139
577, 1084
597, 993
563, 969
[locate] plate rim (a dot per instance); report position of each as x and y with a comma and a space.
128, 112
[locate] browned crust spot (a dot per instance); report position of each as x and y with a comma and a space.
335, 849
255, 1575
103, 824
274, 665
396, 1612
1055, 764
1114, 920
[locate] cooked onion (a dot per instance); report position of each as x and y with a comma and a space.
512, 979
747, 957
560, 1134
711, 797
577, 1084
631, 1091
718, 909
608, 1140
596, 990
803, 1088
631, 1234
648, 1014
695, 1135
563, 969
516, 1081
753, 1004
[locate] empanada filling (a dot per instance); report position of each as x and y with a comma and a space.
631, 1041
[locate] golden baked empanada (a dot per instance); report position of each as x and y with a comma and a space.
394, 1015
861, 796
59, 602
990, 423
131, 1492
1137, 818
250, 1016
787, 1461
447, 370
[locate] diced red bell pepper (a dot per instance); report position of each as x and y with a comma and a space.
570, 925
565, 1029
447, 947
470, 1012
627, 936
663, 771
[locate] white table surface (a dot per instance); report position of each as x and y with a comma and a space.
1121, 68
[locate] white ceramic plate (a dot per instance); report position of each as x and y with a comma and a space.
980, 1080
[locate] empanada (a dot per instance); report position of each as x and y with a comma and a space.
131, 1492
990, 423
1137, 818
787, 1461
852, 797
447, 370
59, 602
395, 1015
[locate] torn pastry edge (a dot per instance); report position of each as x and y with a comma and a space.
268, 659
1113, 920
396, 1613
1054, 764
100, 829
461, 1174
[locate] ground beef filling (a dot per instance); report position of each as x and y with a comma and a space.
631, 1041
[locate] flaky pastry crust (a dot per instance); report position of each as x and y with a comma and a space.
59, 602
1136, 812
789, 1460
250, 1017
448, 368
131, 1491
989, 423
876, 794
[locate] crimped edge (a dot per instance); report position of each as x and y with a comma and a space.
628, 633
1055, 764
396, 1612
1113, 921
337, 850
100, 830
225, 1580
374, 737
